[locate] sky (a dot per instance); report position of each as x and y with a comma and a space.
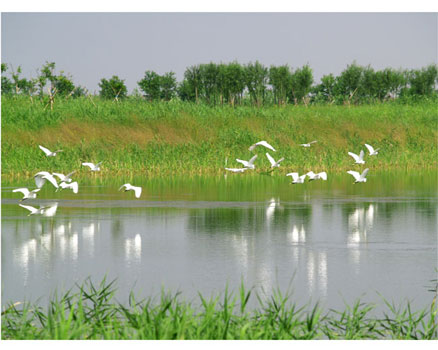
92, 46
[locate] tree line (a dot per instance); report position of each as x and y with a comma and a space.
237, 84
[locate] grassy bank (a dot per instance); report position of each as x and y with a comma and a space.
91, 312
138, 137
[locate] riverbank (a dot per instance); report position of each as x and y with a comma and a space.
156, 139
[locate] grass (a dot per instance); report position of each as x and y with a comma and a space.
138, 137
93, 313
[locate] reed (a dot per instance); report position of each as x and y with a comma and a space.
91, 312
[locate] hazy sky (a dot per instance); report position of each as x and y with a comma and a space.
91, 46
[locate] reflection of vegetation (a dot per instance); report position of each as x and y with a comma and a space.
92, 313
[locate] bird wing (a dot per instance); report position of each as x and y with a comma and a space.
355, 174
294, 176
45, 150
91, 165
251, 148
310, 173
51, 179
62, 177
312, 142
265, 144
70, 174
302, 177
244, 162
370, 148
25, 191
137, 191
30, 208
364, 173
40, 180
323, 175
361, 154
74, 186
271, 160
125, 185
251, 161
35, 190
355, 156
99, 164
280, 160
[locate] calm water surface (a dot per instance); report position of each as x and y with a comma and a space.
329, 241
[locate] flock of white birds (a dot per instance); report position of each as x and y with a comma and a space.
296, 178
66, 181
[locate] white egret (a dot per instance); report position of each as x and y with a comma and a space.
49, 210
236, 170
42, 176
73, 186
359, 177
48, 152
64, 178
92, 166
358, 158
307, 144
373, 152
261, 143
312, 176
296, 179
129, 187
274, 163
248, 164
27, 194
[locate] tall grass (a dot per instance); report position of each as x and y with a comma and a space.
91, 312
136, 136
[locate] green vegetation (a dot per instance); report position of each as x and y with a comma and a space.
248, 84
168, 138
92, 313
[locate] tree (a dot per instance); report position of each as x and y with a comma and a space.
193, 80
235, 81
280, 80
325, 90
113, 89
7, 85
256, 79
208, 77
64, 86
167, 86
422, 81
150, 85
349, 81
301, 83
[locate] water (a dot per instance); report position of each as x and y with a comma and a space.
330, 241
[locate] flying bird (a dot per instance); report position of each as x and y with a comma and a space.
273, 162
248, 164
312, 176
359, 177
297, 179
42, 176
358, 158
92, 166
307, 144
261, 143
236, 170
49, 210
48, 152
129, 187
27, 194
73, 186
64, 178
373, 152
